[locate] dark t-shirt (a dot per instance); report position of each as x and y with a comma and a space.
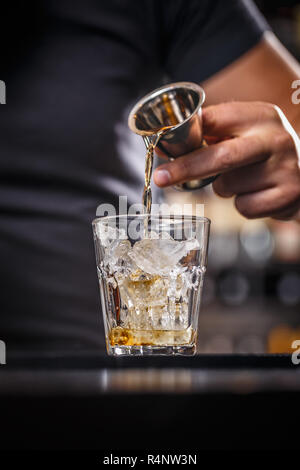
73, 69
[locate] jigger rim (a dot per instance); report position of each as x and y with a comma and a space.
154, 93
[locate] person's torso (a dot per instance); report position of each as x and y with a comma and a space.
72, 74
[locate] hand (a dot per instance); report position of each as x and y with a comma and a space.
256, 155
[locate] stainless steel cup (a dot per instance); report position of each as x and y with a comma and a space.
174, 110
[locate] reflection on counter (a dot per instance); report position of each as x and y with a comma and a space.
190, 380
168, 380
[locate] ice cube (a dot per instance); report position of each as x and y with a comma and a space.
117, 258
152, 234
109, 235
165, 235
159, 256
121, 249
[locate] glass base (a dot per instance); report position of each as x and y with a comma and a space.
179, 350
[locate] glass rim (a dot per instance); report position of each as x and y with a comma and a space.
176, 217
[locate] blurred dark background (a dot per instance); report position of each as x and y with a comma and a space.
251, 298
284, 17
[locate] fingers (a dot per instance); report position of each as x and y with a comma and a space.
255, 177
255, 158
212, 160
269, 188
277, 201
243, 142
258, 204
232, 118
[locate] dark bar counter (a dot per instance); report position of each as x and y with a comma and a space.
88, 401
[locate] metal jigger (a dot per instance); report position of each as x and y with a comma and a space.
174, 111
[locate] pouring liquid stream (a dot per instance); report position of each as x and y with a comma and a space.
150, 143
147, 193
